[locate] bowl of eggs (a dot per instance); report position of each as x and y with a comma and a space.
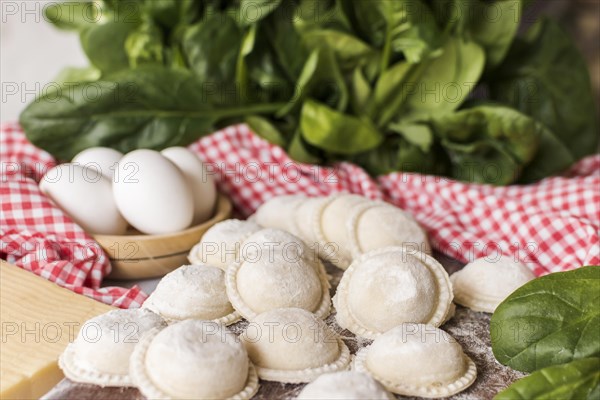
146, 208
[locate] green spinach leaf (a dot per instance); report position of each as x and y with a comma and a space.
73, 15
211, 47
545, 77
104, 45
494, 25
252, 11
447, 80
149, 107
144, 45
489, 143
576, 380
338, 133
551, 320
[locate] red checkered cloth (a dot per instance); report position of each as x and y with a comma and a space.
37, 236
552, 225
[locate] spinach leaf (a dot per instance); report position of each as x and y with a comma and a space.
551, 320
170, 13
266, 130
241, 72
71, 75
447, 80
545, 77
72, 15
349, 50
211, 47
494, 25
321, 79
252, 11
300, 151
144, 45
403, 26
391, 91
285, 42
576, 380
360, 92
411, 29
338, 133
488, 143
149, 107
104, 45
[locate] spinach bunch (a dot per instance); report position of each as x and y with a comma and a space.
550, 327
432, 86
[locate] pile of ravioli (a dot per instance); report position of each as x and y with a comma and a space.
269, 271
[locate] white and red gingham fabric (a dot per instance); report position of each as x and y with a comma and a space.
37, 236
552, 225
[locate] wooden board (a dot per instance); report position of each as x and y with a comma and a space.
469, 328
38, 319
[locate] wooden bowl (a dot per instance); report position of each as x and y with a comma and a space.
139, 256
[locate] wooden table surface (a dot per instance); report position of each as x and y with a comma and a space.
469, 328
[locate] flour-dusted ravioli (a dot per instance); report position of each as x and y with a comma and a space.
100, 353
193, 359
386, 287
221, 244
483, 284
417, 360
277, 271
344, 385
375, 225
193, 292
330, 227
278, 212
293, 345
304, 216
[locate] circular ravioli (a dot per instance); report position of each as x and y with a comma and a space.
293, 345
193, 292
376, 225
278, 212
329, 225
193, 360
483, 284
417, 360
387, 287
220, 245
304, 217
344, 385
276, 272
100, 353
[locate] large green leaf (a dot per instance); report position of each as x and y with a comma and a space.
447, 80
144, 45
551, 320
104, 44
349, 50
148, 107
211, 47
491, 144
252, 11
577, 380
72, 15
320, 79
336, 132
545, 77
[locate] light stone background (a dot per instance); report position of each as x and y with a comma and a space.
32, 52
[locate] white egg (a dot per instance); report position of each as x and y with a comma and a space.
103, 159
86, 196
198, 179
152, 193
